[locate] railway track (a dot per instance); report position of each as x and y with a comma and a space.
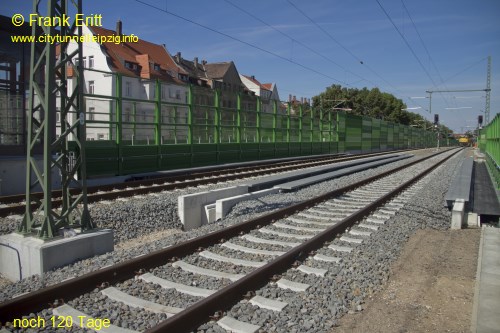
265, 246
15, 204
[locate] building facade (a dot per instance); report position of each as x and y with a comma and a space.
136, 75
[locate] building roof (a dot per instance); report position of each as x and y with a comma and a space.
193, 68
217, 70
267, 86
142, 53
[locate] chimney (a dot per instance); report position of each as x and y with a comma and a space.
178, 57
290, 97
203, 62
253, 77
195, 62
294, 98
302, 100
119, 28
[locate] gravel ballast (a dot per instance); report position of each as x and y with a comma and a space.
358, 275
361, 271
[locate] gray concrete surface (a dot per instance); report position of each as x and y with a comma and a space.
461, 184
486, 311
21, 256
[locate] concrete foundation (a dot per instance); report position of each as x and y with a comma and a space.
457, 214
191, 207
472, 220
22, 256
223, 206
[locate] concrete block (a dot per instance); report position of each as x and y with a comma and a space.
472, 220
209, 216
266, 303
457, 214
236, 326
191, 207
223, 206
21, 256
460, 186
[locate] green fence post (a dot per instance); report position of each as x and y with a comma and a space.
257, 120
190, 114
190, 123
300, 126
238, 118
217, 123
275, 124
238, 124
119, 125
288, 115
158, 136
311, 127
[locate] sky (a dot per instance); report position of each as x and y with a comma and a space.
403, 47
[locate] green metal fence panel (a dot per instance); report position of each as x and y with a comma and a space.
175, 156
353, 133
249, 151
139, 159
173, 128
228, 152
489, 143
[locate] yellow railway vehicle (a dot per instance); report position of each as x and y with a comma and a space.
464, 141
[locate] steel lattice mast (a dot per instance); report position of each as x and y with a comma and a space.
48, 84
488, 90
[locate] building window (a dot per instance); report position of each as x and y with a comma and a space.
128, 89
91, 113
84, 62
91, 61
157, 67
130, 65
144, 115
91, 87
100, 136
58, 114
163, 94
178, 94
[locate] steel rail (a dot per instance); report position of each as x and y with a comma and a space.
37, 300
176, 182
200, 312
176, 176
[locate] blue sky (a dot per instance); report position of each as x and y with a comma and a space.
327, 47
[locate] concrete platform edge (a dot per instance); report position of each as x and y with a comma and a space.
475, 305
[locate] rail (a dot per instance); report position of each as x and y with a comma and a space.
71, 288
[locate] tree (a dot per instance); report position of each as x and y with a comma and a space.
368, 102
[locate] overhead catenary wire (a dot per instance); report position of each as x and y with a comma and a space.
294, 40
407, 43
425, 48
296, 63
350, 52
422, 42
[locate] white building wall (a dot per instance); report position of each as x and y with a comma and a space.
137, 117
